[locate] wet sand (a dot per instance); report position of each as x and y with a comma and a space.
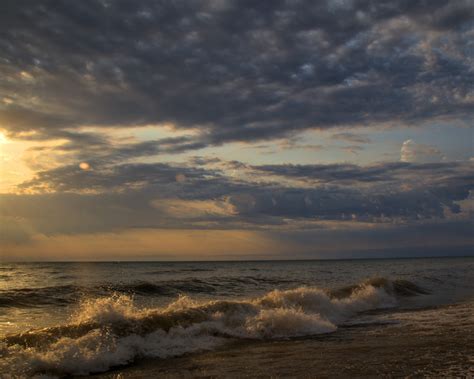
426, 343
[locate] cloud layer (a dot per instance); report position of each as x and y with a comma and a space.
234, 70
79, 78
186, 196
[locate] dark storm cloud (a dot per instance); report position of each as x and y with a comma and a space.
238, 70
332, 172
170, 145
99, 150
138, 195
379, 173
72, 178
339, 203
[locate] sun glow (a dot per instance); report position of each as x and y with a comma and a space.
3, 138
13, 169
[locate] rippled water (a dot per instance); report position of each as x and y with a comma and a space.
96, 316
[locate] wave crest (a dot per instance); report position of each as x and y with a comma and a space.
113, 331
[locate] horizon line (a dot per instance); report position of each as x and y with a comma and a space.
241, 260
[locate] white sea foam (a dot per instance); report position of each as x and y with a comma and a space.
109, 332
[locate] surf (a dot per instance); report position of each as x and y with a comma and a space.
106, 332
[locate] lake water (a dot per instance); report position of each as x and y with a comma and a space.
137, 318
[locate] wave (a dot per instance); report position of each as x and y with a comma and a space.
35, 297
397, 287
69, 294
113, 331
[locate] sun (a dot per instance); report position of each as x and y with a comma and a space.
3, 138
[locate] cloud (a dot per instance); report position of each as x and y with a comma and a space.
272, 211
353, 149
352, 137
415, 152
14, 231
150, 244
159, 195
188, 209
73, 73
392, 240
234, 73
395, 240
338, 172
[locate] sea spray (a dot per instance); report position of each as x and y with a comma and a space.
108, 332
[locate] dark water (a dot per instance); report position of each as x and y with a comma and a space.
78, 318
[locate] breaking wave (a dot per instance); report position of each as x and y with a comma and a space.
113, 331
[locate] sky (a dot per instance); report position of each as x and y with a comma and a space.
219, 129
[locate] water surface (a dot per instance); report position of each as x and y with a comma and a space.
80, 318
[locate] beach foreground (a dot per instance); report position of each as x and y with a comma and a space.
427, 343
